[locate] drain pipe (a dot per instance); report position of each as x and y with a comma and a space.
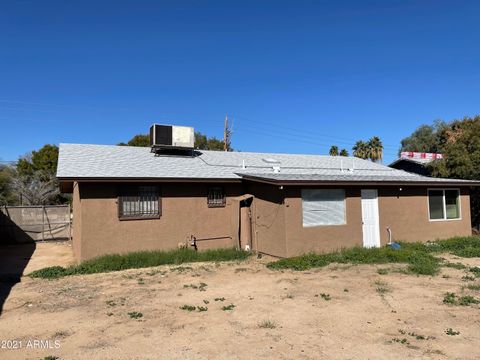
389, 235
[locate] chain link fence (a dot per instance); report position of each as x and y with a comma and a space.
20, 224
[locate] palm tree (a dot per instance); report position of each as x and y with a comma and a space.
361, 150
333, 151
376, 149
344, 152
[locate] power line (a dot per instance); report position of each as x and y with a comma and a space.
332, 138
329, 137
304, 138
293, 135
288, 137
274, 130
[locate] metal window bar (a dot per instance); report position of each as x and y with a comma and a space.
216, 197
143, 204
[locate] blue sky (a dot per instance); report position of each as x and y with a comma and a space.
295, 76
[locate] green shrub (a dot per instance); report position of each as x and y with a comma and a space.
475, 270
457, 245
267, 324
468, 252
137, 260
452, 332
52, 272
135, 315
417, 336
401, 341
420, 262
450, 298
418, 256
474, 287
467, 300
468, 278
457, 266
326, 297
423, 264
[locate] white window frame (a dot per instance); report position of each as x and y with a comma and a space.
445, 205
344, 208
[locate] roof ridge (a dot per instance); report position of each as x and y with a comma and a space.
231, 152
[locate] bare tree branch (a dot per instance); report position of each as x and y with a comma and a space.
40, 188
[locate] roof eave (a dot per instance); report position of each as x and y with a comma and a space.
143, 179
353, 182
66, 183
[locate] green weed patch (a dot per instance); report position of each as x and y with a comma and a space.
139, 260
419, 256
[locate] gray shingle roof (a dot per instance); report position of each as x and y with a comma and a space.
79, 161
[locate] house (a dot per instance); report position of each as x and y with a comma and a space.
130, 199
415, 162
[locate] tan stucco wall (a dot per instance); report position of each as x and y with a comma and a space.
276, 220
405, 212
184, 213
77, 222
302, 240
268, 219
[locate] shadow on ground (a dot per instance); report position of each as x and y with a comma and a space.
16, 250
13, 261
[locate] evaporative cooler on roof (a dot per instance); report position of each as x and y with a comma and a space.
171, 137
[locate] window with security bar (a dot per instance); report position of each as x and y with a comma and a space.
216, 197
139, 202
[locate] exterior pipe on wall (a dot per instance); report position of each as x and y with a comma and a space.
389, 235
194, 240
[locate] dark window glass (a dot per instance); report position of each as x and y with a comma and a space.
444, 204
435, 201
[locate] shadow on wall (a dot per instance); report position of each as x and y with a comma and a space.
14, 257
171, 190
10, 232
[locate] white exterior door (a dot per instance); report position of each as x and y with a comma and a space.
370, 220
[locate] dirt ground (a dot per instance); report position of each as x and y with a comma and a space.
25, 258
282, 315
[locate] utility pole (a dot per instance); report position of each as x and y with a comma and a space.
226, 135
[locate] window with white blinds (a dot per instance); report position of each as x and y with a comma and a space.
323, 207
